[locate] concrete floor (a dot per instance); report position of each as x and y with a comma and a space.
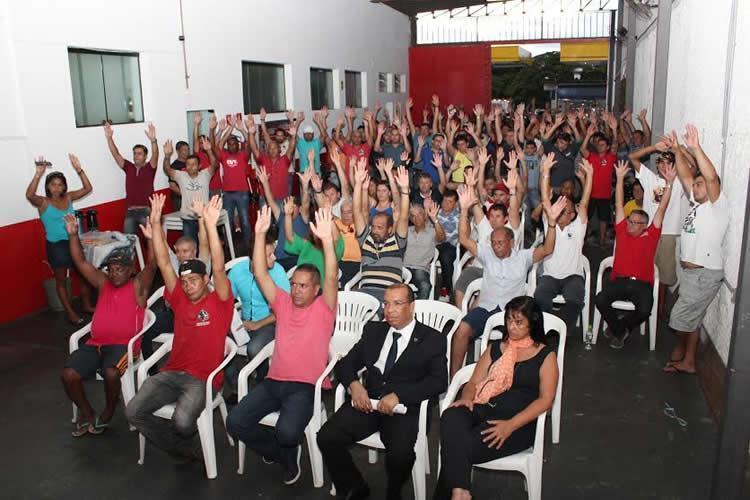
616, 442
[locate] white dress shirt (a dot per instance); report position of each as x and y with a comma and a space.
401, 344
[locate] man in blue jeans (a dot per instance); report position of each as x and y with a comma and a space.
304, 325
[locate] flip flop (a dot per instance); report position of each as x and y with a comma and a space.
98, 427
82, 428
670, 368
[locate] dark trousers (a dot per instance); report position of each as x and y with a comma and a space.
572, 288
638, 292
347, 426
293, 401
447, 256
462, 445
348, 270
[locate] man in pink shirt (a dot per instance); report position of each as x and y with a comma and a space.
304, 324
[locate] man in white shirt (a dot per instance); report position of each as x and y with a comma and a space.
562, 272
701, 255
653, 187
505, 270
404, 364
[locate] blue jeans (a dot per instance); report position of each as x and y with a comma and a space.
293, 401
239, 200
177, 436
421, 279
533, 199
134, 217
572, 288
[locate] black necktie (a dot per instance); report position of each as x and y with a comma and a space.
390, 359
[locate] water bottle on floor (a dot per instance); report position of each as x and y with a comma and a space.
588, 338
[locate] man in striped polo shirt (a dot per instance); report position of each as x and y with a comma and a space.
383, 241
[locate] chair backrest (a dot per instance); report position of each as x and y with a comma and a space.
437, 315
433, 271
354, 309
405, 275
460, 264
159, 293
290, 272
494, 321
239, 260
241, 337
471, 291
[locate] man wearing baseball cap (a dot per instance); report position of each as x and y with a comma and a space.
202, 320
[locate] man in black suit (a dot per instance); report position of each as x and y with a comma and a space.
405, 363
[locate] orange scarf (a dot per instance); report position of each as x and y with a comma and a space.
500, 375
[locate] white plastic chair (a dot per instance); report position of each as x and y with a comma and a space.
173, 222
127, 379
338, 347
353, 311
551, 322
206, 418
436, 315
420, 468
433, 273
239, 260
472, 292
528, 462
585, 317
460, 263
352, 283
624, 305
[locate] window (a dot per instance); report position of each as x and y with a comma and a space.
382, 82
399, 83
106, 87
353, 82
321, 88
263, 87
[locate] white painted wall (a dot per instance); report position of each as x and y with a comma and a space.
36, 96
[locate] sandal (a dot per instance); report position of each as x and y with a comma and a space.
671, 368
98, 427
82, 428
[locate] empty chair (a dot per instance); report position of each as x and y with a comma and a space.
437, 315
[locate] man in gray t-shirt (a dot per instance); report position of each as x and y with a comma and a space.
193, 183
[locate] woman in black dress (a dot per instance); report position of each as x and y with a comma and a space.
513, 383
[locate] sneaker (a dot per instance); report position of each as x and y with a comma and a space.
292, 475
268, 461
619, 342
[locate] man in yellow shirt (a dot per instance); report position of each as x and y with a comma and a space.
637, 202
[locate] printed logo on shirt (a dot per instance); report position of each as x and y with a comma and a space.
231, 162
203, 318
689, 224
193, 185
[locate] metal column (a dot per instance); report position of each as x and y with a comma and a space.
660, 68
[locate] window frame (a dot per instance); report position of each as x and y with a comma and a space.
361, 100
283, 67
329, 73
103, 52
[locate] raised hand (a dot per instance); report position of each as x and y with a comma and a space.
482, 156
437, 160
420, 140
292, 130
435, 100
402, 180
470, 179
512, 161
431, 209
409, 103
197, 118
197, 206
231, 120
554, 211
205, 144
349, 112
222, 124
262, 114
642, 114
691, 136
360, 172
212, 211
40, 164
263, 221
289, 206
71, 224
151, 132
311, 157
157, 205
403, 129
381, 128
290, 115
548, 161
466, 197
668, 172
212, 123
300, 116
470, 128
512, 180
75, 162
586, 168
404, 157
147, 231
323, 225
108, 130
168, 148
316, 181
478, 110
304, 177
367, 115
324, 112
621, 169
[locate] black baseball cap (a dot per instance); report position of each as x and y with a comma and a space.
192, 266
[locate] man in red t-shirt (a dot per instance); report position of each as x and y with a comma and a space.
275, 163
632, 276
201, 321
603, 160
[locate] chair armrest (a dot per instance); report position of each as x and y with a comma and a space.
459, 379
230, 346
148, 322
249, 368
152, 360
352, 282
423, 418
340, 396
159, 293
77, 336
318, 401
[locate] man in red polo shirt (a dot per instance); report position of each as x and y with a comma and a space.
603, 161
275, 163
632, 276
235, 170
201, 321
139, 177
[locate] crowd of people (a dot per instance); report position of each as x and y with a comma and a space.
487, 194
